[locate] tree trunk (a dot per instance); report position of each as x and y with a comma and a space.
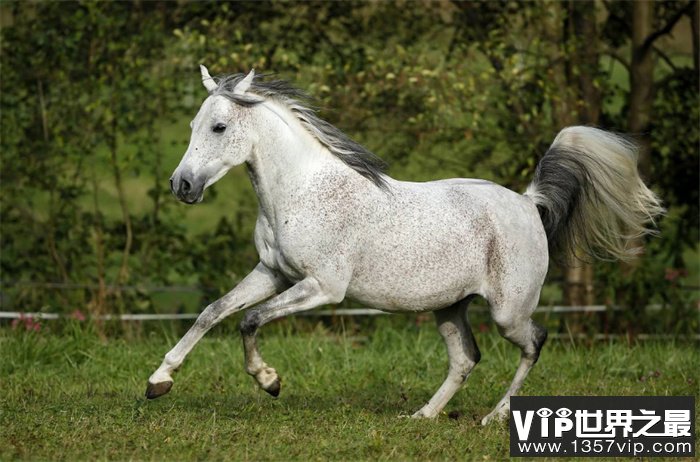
51, 232
641, 99
124, 267
99, 300
578, 102
695, 25
585, 59
641, 81
641, 96
564, 100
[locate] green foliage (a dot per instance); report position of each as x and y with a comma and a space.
676, 145
96, 98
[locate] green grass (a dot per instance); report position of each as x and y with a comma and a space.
71, 396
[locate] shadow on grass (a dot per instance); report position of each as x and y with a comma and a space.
390, 401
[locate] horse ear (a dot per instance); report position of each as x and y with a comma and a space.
208, 82
244, 84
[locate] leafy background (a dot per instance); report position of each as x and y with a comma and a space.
96, 98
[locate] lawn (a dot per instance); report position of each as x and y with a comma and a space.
69, 395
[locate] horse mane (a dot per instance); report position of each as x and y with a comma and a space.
353, 154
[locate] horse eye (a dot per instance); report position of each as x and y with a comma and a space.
219, 128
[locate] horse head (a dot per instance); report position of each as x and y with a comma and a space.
221, 138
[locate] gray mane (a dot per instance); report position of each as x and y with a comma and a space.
353, 154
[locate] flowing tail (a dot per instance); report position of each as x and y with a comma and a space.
590, 197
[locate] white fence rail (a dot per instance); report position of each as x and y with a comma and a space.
368, 312
324, 312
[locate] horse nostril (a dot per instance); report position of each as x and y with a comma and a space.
183, 185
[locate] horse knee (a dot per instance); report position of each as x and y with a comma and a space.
528, 335
250, 323
539, 335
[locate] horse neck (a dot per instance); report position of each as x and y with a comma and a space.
284, 158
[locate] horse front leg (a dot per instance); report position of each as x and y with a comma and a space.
260, 284
305, 295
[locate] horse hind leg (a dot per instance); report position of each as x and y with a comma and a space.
514, 323
462, 352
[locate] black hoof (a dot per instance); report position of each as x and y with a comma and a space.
155, 390
274, 389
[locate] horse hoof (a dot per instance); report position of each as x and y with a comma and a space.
274, 388
154, 390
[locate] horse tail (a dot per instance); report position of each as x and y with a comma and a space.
590, 197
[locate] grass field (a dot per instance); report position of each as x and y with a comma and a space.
72, 396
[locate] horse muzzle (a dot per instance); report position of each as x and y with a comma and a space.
187, 187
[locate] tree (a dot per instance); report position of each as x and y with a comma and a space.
450, 89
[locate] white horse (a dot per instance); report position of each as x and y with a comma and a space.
332, 225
